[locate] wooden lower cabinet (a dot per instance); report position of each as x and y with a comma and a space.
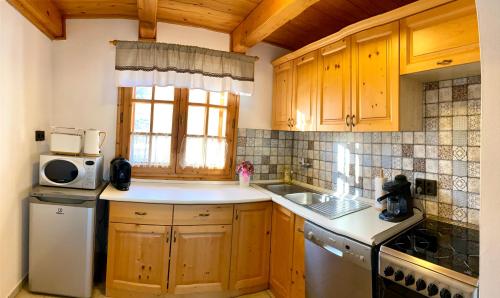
251, 247
200, 259
283, 223
298, 289
137, 258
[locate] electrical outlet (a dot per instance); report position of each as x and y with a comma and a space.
425, 187
39, 135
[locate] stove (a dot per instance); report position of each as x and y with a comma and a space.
431, 259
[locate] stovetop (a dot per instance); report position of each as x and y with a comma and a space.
450, 246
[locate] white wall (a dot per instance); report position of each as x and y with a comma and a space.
84, 88
489, 26
25, 106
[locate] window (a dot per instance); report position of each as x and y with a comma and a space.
169, 132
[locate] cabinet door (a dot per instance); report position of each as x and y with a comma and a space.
281, 251
305, 86
138, 258
334, 96
282, 96
375, 79
200, 259
440, 37
251, 246
298, 289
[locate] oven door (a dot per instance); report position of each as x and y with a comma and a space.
61, 171
390, 289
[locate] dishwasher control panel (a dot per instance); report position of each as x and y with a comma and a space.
352, 251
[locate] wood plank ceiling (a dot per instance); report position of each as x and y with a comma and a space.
288, 23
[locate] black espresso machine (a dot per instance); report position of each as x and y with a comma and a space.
399, 200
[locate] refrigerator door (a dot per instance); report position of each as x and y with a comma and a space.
61, 246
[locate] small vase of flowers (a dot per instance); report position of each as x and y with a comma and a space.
245, 170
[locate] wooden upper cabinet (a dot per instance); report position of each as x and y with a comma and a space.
282, 235
251, 247
137, 258
305, 87
375, 79
334, 94
200, 259
440, 37
298, 289
282, 96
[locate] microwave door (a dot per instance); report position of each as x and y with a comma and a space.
63, 172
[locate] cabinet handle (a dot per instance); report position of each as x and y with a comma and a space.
444, 62
300, 230
347, 120
237, 216
292, 123
353, 122
175, 236
204, 214
140, 213
168, 236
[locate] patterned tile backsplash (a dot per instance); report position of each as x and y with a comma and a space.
446, 151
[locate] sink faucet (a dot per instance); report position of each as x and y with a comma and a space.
303, 163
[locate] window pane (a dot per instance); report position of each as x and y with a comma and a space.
143, 92
164, 93
142, 117
217, 122
160, 151
218, 98
139, 149
162, 122
197, 96
196, 120
216, 153
194, 152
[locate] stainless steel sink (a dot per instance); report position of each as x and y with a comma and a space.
284, 189
307, 198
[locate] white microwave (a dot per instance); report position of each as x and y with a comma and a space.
71, 171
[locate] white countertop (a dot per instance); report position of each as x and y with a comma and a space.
363, 226
178, 192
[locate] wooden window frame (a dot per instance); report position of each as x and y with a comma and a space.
179, 128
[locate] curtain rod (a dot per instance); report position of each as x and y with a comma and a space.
114, 42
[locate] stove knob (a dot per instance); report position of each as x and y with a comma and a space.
409, 280
445, 293
399, 275
388, 271
458, 296
432, 289
421, 284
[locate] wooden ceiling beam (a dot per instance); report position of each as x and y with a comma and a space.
44, 15
266, 18
147, 11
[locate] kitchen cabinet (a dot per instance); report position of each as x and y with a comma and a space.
334, 94
375, 79
251, 247
305, 86
200, 259
282, 96
440, 37
137, 258
298, 288
283, 224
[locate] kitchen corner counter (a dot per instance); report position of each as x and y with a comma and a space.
180, 192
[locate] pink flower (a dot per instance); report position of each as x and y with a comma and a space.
245, 168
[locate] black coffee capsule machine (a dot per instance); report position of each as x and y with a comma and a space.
399, 200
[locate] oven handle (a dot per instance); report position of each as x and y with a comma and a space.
325, 246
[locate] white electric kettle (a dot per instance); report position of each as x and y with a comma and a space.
92, 142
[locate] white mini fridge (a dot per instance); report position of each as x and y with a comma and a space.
61, 245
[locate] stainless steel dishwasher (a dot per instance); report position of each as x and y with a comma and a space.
335, 265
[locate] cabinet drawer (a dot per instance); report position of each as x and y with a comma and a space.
140, 213
203, 214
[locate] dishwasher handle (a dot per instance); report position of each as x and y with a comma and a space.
310, 236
